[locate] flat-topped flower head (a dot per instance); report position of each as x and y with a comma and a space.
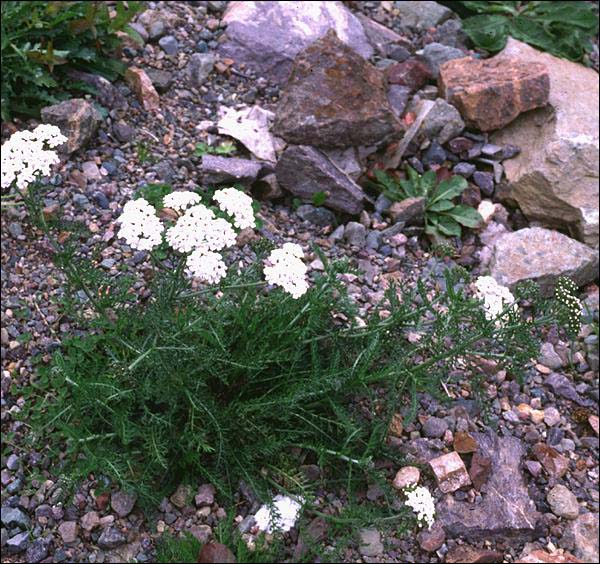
27, 155
495, 296
198, 228
420, 500
206, 265
140, 226
238, 205
282, 517
181, 200
286, 269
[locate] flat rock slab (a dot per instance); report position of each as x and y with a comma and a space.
304, 171
267, 36
223, 170
491, 93
543, 256
555, 178
507, 511
334, 98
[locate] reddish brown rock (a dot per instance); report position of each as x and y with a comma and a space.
481, 468
468, 554
464, 442
409, 211
406, 476
450, 472
555, 464
431, 539
215, 552
412, 73
543, 557
141, 84
334, 98
491, 93
395, 428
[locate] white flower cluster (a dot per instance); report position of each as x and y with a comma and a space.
280, 516
565, 294
181, 200
206, 265
495, 297
287, 270
198, 228
26, 155
238, 205
140, 226
420, 500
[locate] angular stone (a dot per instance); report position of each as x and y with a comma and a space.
111, 538
267, 188
107, 94
582, 537
382, 38
334, 98
465, 554
506, 510
215, 552
436, 54
412, 73
464, 443
406, 476
161, 79
434, 427
398, 97
370, 544
14, 517
442, 121
410, 211
355, 234
77, 119
267, 36
122, 503
305, 171
431, 539
17, 543
200, 67
450, 472
563, 502
562, 386
421, 14
549, 357
555, 178
90, 520
543, 256
543, 557
480, 470
491, 93
68, 531
205, 496
226, 170
317, 215
140, 83
182, 496
396, 427
555, 464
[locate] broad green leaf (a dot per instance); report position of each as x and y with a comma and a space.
448, 189
466, 216
448, 226
441, 206
428, 182
490, 7
409, 188
488, 32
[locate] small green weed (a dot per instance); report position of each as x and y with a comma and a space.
224, 148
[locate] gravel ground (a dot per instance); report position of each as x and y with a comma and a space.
83, 525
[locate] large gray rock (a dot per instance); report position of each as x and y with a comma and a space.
543, 256
581, 536
506, 511
223, 170
421, 14
305, 171
334, 98
267, 36
555, 178
77, 119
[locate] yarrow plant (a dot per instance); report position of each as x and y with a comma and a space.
280, 515
495, 297
286, 269
28, 155
420, 500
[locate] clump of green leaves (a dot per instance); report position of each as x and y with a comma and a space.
224, 148
43, 40
153, 193
443, 217
565, 29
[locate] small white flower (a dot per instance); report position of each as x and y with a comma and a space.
237, 204
198, 228
181, 200
420, 500
140, 227
26, 155
206, 266
287, 270
281, 516
495, 297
